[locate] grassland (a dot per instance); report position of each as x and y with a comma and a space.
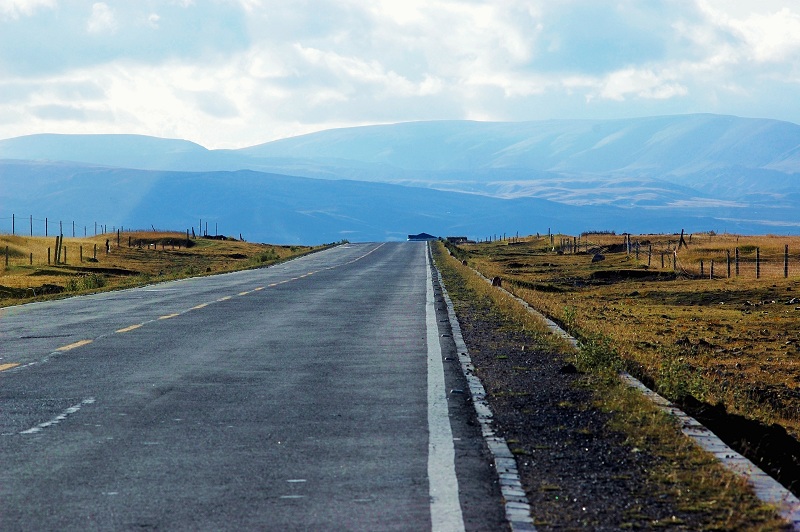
732, 341
678, 474
138, 258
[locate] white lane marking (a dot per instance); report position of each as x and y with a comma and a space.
443, 483
59, 418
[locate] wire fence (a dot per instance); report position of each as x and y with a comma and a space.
31, 226
62, 251
706, 257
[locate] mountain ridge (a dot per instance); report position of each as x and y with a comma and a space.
728, 172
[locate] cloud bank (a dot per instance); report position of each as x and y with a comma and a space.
228, 73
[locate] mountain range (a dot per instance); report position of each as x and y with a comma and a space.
477, 179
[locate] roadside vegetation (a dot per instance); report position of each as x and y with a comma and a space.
625, 324
138, 258
725, 341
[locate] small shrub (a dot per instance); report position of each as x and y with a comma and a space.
71, 285
597, 354
677, 379
84, 282
570, 317
267, 256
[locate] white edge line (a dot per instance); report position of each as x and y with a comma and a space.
517, 506
59, 418
766, 488
443, 484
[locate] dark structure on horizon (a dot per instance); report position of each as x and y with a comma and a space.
422, 237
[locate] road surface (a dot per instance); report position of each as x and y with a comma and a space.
311, 395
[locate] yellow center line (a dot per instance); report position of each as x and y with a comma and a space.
4, 367
131, 328
258, 289
224, 298
243, 293
168, 316
74, 345
273, 284
201, 305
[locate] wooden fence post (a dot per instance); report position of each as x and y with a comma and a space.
6, 256
737, 262
711, 273
95, 251
48, 256
786, 261
81, 254
758, 263
31, 259
702, 270
728, 253
662, 260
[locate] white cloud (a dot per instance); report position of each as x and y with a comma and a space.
102, 19
766, 34
641, 83
237, 72
13, 9
773, 37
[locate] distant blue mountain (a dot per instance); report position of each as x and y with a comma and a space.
699, 172
285, 209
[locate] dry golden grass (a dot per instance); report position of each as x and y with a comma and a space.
728, 340
140, 257
694, 479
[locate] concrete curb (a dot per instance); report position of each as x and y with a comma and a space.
517, 506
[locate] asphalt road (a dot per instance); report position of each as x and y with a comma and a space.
307, 396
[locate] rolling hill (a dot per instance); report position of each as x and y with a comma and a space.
700, 172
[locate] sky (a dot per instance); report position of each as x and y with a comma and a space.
236, 73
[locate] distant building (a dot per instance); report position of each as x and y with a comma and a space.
457, 239
422, 237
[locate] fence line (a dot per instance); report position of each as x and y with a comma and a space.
740, 261
30, 226
76, 254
